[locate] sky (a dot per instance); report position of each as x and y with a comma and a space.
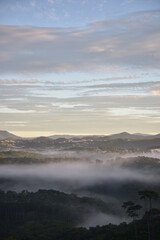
79, 66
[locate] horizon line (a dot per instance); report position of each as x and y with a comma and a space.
31, 134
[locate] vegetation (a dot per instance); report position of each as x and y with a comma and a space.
150, 214
18, 209
27, 157
132, 211
49, 215
104, 143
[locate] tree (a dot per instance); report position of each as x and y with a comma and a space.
132, 211
148, 195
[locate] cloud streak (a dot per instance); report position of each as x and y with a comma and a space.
129, 41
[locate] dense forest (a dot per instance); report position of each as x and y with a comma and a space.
50, 214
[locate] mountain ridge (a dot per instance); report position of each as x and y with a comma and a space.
4, 135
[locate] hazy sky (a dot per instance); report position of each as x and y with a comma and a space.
79, 66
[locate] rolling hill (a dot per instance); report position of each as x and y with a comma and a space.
7, 135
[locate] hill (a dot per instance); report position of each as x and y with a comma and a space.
53, 215
6, 135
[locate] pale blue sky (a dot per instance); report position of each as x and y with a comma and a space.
79, 66
68, 13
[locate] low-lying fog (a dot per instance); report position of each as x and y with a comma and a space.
103, 155
73, 175
110, 178
103, 219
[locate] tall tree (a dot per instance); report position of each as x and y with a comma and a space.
148, 195
132, 211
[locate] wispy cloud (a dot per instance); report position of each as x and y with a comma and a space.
131, 41
106, 61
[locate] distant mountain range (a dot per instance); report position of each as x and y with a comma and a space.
135, 136
123, 135
116, 142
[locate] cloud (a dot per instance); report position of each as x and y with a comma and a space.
33, 3
13, 123
134, 112
129, 41
18, 82
99, 96
51, 2
155, 92
13, 110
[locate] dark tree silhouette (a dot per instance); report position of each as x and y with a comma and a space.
132, 211
148, 195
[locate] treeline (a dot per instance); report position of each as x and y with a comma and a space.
24, 157
17, 209
151, 214
60, 231
53, 215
